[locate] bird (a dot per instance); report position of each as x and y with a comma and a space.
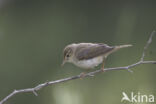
89, 55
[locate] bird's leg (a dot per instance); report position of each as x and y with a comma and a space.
83, 74
103, 64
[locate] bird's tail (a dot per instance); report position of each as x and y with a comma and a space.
123, 46
115, 48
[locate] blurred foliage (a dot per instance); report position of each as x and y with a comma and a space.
33, 34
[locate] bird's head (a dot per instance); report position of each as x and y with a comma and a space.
68, 53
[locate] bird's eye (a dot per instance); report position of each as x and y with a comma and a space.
68, 55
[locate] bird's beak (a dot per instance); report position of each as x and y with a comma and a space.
63, 62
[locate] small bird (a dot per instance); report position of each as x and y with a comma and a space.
88, 55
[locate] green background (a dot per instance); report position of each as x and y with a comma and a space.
33, 34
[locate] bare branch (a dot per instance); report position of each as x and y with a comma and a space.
147, 44
40, 86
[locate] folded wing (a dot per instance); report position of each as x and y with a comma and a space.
91, 51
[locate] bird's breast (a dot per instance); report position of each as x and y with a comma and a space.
90, 63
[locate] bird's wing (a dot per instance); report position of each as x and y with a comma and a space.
90, 51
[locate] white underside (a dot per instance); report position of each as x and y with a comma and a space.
91, 63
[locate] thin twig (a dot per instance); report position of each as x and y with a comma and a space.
147, 44
40, 86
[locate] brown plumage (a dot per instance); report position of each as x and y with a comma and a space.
88, 52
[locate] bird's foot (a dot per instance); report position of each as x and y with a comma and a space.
103, 69
82, 75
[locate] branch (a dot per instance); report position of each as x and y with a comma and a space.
40, 86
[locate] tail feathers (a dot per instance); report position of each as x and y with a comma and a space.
123, 46
119, 47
